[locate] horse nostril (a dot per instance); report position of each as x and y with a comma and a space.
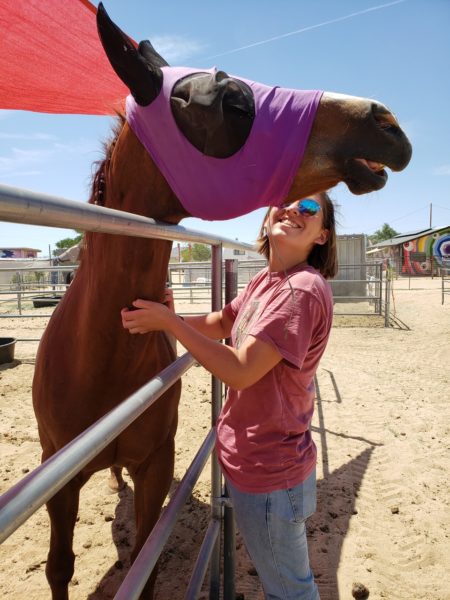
384, 118
388, 124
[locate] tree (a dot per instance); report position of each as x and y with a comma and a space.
196, 253
201, 252
67, 243
384, 233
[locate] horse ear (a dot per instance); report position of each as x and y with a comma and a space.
139, 69
215, 112
150, 54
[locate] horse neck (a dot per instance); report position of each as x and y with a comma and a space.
131, 267
126, 267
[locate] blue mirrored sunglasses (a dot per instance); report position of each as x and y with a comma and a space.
308, 207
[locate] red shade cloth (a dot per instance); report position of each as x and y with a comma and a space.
52, 61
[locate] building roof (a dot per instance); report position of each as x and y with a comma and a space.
373, 250
20, 248
401, 238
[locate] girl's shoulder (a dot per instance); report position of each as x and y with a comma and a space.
308, 279
313, 286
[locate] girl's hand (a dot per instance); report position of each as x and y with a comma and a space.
149, 316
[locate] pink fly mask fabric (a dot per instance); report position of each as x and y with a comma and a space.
259, 174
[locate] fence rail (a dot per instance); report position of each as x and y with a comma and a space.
23, 206
23, 499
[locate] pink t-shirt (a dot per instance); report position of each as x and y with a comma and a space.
263, 437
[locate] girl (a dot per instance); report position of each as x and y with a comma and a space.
279, 327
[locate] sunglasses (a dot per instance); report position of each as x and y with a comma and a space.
308, 207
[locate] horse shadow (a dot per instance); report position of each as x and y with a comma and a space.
123, 534
178, 556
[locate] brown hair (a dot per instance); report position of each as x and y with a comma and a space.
322, 257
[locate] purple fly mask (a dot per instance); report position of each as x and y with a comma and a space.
258, 174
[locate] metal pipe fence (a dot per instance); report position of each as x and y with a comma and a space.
358, 290
23, 206
229, 526
29, 494
142, 567
216, 391
18, 503
44, 286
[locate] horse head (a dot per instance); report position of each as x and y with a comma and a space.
227, 145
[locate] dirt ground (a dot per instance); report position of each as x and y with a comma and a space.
381, 428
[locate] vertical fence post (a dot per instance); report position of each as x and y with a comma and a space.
380, 288
442, 283
445, 275
19, 291
229, 528
387, 299
216, 384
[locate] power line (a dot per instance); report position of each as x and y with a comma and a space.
443, 207
409, 214
309, 28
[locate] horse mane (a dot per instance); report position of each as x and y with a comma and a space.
98, 178
107, 180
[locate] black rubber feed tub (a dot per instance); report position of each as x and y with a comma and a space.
7, 347
41, 301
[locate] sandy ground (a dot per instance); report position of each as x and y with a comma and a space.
381, 427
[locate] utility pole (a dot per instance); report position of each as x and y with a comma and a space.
431, 214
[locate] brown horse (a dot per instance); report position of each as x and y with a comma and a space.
87, 363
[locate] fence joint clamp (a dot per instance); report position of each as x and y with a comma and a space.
222, 501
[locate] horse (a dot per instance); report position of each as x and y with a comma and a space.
86, 362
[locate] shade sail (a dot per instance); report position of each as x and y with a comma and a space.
52, 60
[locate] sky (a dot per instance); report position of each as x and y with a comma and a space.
397, 52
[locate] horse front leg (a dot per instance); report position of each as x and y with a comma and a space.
62, 510
151, 484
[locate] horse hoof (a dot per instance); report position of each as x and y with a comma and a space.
116, 482
115, 486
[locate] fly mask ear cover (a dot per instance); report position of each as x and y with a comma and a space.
259, 173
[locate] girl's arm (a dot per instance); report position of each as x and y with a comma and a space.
215, 325
237, 368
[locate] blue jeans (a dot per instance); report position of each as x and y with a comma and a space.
273, 528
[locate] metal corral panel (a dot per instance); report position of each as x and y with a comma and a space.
7, 276
351, 258
351, 250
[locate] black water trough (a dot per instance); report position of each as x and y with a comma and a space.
42, 301
7, 347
